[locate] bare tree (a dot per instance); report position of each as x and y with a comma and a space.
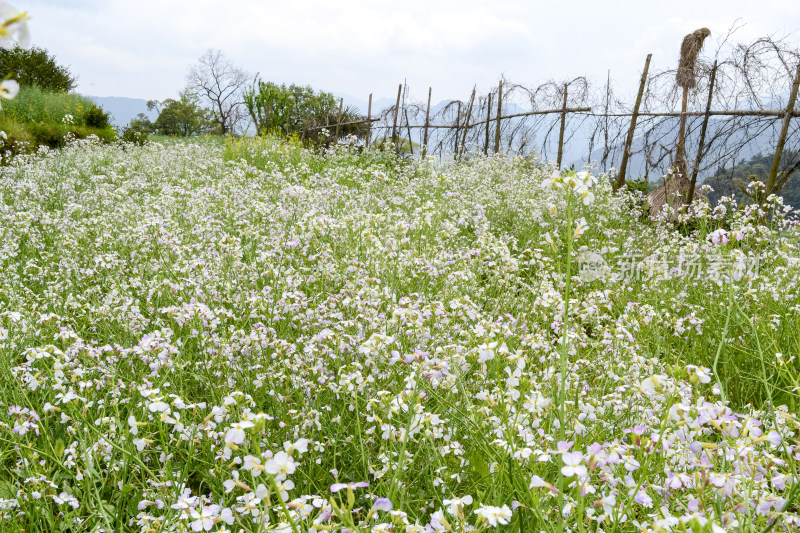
219, 82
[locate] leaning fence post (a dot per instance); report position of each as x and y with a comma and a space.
627, 152
338, 122
458, 119
499, 110
408, 128
700, 146
776, 161
396, 110
369, 122
563, 126
488, 122
466, 123
427, 117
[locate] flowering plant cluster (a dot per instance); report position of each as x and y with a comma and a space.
257, 337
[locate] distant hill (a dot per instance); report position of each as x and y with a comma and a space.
122, 109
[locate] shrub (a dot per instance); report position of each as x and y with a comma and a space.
107, 134
135, 136
95, 117
48, 134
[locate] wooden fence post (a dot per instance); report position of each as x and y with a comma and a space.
369, 122
563, 126
458, 119
703, 128
499, 111
396, 110
466, 123
776, 161
627, 152
427, 119
488, 122
338, 121
408, 128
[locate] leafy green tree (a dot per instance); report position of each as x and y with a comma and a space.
141, 123
294, 108
183, 117
35, 66
737, 180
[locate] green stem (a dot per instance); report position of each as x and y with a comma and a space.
563, 356
721, 342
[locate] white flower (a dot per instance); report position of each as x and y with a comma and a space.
454, 504
158, 407
280, 466
204, 521
8, 90
572, 464
586, 195
132, 426
580, 228
13, 27
235, 434
301, 446
486, 351
494, 515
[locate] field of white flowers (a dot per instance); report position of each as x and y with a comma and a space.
255, 337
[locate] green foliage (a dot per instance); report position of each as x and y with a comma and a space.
637, 185
295, 109
95, 117
182, 118
137, 137
138, 130
34, 104
141, 123
35, 67
43, 118
734, 180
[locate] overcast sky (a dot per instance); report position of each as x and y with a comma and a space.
142, 48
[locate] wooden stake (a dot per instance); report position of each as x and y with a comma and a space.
488, 113
627, 152
396, 110
458, 119
369, 122
338, 121
466, 123
499, 114
699, 156
563, 126
427, 119
776, 161
408, 128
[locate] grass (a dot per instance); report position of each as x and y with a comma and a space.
255, 336
41, 118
